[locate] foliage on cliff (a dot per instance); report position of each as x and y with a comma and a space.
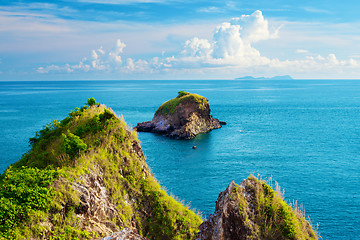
273, 217
40, 195
169, 107
253, 210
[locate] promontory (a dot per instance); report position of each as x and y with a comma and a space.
182, 117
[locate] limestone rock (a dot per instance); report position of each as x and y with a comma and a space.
182, 117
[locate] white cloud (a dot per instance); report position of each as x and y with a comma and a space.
254, 27
114, 55
332, 59
110, 61
302, 51
316, 10
197, 48
210, 10
231, 43
29, 22
230, 46
230, 52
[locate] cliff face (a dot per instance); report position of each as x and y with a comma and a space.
182, 117
85, 177
252, 210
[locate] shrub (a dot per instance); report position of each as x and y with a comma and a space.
72, 144
182, 93
91, 102
45, 132
23, 192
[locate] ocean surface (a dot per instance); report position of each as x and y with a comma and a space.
305, 134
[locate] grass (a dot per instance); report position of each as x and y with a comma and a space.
274, 219
37, 194
169, 107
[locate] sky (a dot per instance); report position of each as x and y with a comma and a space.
173, 39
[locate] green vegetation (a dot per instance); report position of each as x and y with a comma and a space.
72, 144
39, 197
169, 107
91, 102
274, 219
25, 198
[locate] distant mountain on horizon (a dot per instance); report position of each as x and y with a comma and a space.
285, 77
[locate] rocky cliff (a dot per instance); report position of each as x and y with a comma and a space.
252, 210
85, 177
182, 117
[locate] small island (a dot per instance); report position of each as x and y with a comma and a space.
284, 77
182, 117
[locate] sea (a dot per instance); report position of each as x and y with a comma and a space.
303, 134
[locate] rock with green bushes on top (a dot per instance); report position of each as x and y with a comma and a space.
253, 210
182, 117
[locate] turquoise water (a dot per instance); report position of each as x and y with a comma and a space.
305, 134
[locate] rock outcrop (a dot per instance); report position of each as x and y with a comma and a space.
182, 117
252, 210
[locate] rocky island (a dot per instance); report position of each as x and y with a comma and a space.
85, 177
182, 117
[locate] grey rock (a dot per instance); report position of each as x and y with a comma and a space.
125, 234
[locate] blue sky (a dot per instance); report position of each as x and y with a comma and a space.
170, 39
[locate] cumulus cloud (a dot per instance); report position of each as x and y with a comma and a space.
99, 60
230, 50
196, 47
254, 27
231, 42
110, 61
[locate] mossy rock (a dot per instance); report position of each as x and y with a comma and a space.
183, 97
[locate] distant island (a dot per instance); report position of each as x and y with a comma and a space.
285, 77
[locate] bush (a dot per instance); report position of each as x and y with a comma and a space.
45, 132
23, 192
91, 102
182, 93
72, 144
